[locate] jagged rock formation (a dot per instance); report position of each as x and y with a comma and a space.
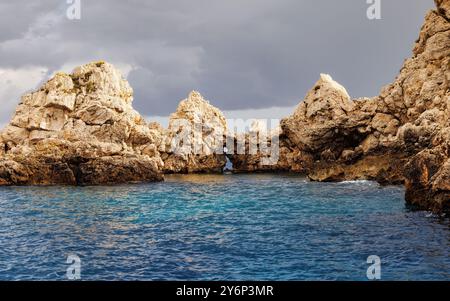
262, 149
400, 136
345, 138
195, 138
427, 174
79, 128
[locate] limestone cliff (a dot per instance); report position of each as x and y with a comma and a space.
79, 128
427, 174
400, 136
194, 140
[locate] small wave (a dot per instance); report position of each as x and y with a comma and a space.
357, 182
429, 214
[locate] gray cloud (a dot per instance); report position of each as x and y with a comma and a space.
247, 54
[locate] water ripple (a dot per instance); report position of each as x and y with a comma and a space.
232, 227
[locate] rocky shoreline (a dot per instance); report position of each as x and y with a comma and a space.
81, 129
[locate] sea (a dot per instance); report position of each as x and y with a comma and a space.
220, 227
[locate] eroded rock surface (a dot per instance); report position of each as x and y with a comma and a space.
195, 138
345, 138
79, 128
400, 136
427, 174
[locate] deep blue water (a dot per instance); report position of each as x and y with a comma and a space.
236, 227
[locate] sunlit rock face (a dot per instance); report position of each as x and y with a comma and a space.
195, 139
79, 128
402, 135
428, 172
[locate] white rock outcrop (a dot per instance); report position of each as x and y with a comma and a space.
194, 140
79, 128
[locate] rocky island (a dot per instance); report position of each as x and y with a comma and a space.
81, 129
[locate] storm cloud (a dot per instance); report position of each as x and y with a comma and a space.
240, 54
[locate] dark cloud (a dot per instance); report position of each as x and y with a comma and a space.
240, 54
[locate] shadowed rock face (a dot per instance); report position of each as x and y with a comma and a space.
79, 128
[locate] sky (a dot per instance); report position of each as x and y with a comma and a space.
248, 57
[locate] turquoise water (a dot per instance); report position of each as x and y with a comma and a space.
235, 227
